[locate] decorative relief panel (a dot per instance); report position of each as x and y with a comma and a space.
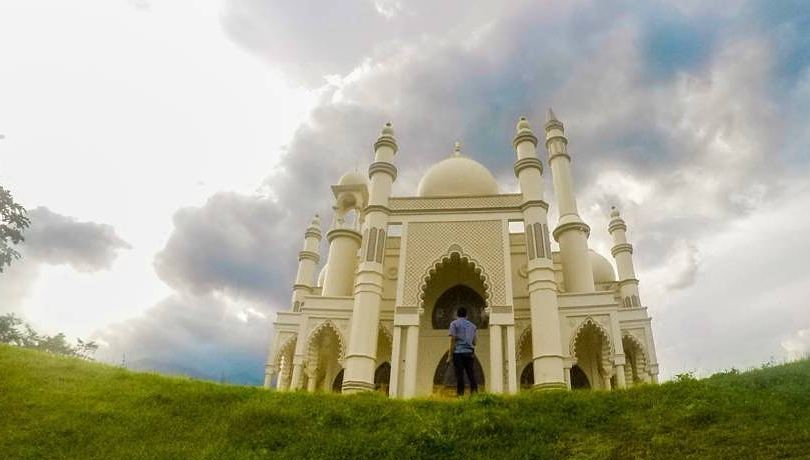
461, 202
429, 241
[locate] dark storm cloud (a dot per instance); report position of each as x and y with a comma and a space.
234, 244
200, 336
311, 39
56, 239
670, 111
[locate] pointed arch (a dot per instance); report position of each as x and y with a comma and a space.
328, 324
638, 357
454, 254
601, 356
287, 345
589, 321
525, 337
386, 333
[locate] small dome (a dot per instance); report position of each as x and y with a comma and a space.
602, 269
457, 176
353, 178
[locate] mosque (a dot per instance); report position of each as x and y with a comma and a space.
398, 267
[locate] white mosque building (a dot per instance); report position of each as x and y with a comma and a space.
376, 317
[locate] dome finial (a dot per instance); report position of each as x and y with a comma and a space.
614, 212
388, 129
523, 126
457, 149
550, 115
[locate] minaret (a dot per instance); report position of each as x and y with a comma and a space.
351, 195
308, 259
546, 343
571, 232
623, 255
362, 349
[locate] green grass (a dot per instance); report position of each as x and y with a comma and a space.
56, 407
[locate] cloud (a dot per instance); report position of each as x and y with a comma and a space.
234, 244
671, 113
207, 336
313, 39
56, 239
797, 346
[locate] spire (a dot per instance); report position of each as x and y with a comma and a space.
614, 212
523, 126
457, 149
386, 138
552, 122
316, 222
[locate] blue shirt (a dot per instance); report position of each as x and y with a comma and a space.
464, 332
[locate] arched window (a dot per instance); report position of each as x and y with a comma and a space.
459, 296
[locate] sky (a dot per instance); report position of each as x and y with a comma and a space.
165, 152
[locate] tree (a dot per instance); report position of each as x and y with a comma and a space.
13, 221
14, 331
9, 332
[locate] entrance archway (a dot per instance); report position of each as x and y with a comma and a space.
592, 350
382, 378
444, 311
453, 281
444, 379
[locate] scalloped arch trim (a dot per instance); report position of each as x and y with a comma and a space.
328, 324
290, 342
600, 330
454, 253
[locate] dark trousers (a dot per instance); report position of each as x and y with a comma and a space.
464, 362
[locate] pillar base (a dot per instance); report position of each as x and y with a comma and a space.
549, 386
356, 386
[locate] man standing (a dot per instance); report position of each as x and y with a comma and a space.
462, 349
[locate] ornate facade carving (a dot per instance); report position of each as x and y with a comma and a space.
473, 239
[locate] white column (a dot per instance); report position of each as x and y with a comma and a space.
411, 355
396, 362
269, 373
283, 376
362, 348
297, 372
496, 358
571, 232
621, 382
511, 357
567, 375
542, 286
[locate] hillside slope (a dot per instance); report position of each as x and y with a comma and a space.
54, 407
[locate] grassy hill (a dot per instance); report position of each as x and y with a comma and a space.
55, 407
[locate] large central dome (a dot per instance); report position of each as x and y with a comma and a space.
457, 176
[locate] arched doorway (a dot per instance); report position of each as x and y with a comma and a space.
382, 378
524, 360
444, 379
337, 384
527, 377
592, 352
579, 381
635, 368
323, 358
452, 282
444, 311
